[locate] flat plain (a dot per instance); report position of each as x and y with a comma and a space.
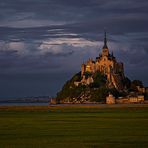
74, 127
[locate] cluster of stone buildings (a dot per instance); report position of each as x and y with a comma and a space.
105, 63
133, 97
125, 100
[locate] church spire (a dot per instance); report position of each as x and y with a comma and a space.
105, 50
105, 41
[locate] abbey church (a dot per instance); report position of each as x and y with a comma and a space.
107, 64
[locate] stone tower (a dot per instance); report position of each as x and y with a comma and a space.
83, 67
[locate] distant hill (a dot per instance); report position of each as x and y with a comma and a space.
28, 99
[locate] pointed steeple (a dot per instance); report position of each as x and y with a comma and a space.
105, 41
105, 50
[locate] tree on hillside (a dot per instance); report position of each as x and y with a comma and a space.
136, 83
99, 80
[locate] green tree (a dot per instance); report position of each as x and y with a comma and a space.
127, 82
99, 80
136, 83
87, 74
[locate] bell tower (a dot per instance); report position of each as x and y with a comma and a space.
105, 51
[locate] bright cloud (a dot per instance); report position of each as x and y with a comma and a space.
66, 45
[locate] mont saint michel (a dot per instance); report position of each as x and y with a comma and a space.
66, 81
100, 78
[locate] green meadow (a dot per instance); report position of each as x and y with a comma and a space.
74, 127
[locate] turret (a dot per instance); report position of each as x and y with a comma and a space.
83, 68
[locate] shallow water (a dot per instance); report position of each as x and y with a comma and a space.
23, 104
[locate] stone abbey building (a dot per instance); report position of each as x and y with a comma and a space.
107, 64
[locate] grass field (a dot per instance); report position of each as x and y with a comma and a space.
73, 127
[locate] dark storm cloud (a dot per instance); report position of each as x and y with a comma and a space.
11, 62
67, 11
51, 37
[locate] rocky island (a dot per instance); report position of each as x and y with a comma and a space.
99, 78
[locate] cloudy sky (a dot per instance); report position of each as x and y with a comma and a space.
44, 42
